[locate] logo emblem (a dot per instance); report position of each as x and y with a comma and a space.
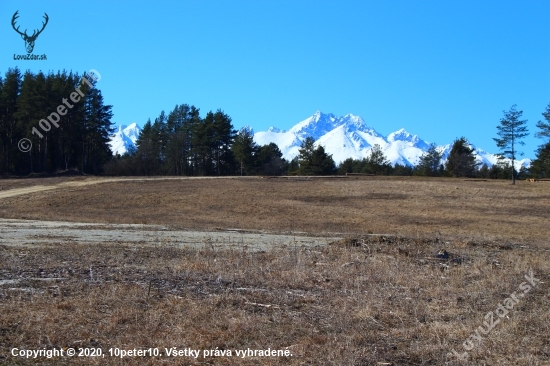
29, 40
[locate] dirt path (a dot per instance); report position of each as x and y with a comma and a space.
81, 183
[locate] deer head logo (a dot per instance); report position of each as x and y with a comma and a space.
29, 40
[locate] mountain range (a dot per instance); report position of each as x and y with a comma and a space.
343, 137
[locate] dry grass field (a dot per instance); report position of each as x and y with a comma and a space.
365, 300
404, 206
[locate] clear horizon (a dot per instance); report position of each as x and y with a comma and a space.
441, 70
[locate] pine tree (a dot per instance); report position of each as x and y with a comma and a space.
544, 125
315, 161
270, 160
322, 163
461, 161
145, 156
346, 166
222, 140
96, 131
244, 149
377, 163
511, 130
402, 170
305, 156
540, 167
429, 163
10, 157
74, 139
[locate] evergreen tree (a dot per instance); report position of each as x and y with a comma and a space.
322, 163
402, 170
96, 131
294, 166
544, 125
510, 131
500, 170
270, 160
10, 157
245, 150
540, 167
483, 172
179, 126
224, 135
73, 137
145, 156
429, 163
346, 166
377, 163
461, 161
315, 161
305, 156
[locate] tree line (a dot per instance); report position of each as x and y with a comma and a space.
461, 161
64, 135
182, 142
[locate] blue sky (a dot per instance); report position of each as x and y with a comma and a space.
440, 69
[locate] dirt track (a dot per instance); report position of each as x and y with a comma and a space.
80, 183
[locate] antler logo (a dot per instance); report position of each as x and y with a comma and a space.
29, 40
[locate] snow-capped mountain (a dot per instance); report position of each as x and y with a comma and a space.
124, 139
350, 137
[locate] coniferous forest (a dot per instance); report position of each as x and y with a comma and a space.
64, 117
64, 136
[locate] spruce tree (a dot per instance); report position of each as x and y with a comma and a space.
461, 161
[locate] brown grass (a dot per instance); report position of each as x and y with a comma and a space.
366, 300
406, 206
382, 300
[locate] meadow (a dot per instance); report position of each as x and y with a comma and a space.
415, 269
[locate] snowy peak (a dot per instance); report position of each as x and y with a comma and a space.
350, 137
344, 137
315, 126
132, 131
247, 128
401, 135
124, 139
